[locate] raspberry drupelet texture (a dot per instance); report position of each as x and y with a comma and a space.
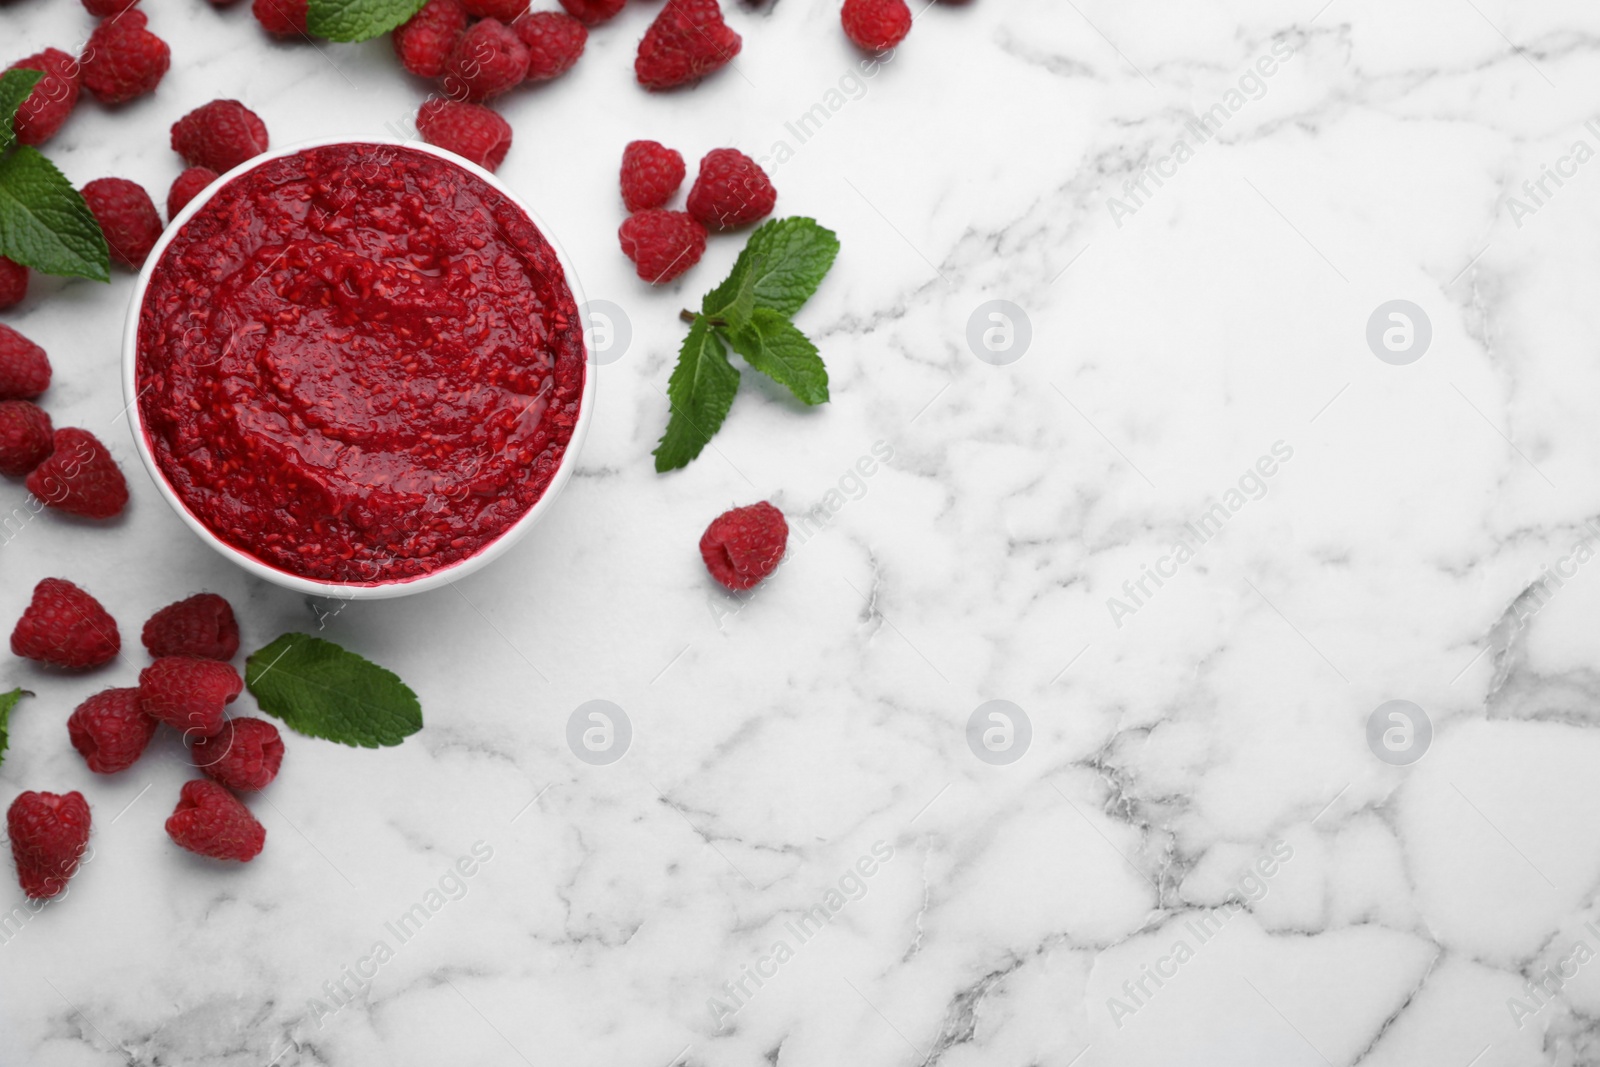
471, 131
488, 60
104, 9
244, 755
13, 283
876, 25
507, 11
186, 186
662, 244
203, 626
593, 12
743, 546
424, 41
189, 694
219, 135
211, 821
80, 477
127, 216
731, 190
49, 833
24, 368
554, 42
65, 627
282, 18
110, 730
651, 174
26, 437
687, 41
123, 59
53, 97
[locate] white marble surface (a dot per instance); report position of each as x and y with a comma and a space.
775, 742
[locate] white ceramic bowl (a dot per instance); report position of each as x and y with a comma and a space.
350, 590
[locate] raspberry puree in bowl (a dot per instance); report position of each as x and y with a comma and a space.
358, 363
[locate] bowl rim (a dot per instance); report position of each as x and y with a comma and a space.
349, 590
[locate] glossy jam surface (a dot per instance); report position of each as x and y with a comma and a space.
359, 363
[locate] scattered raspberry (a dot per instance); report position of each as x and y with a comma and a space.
487, 61
13, 283
593, 12
26, 437
48, 833
743, 546
730, 190
189, 694
876, 25
424, 42
281, 18
507, 11
80, 477
123, 59
110, 730
245, 756
104, 9
24, 369
202, 626
220, 135
65, 627
687, 41
52, 99
471, 131
651, 173
186, 187
127, 216
555, 41
662, 244
211, 821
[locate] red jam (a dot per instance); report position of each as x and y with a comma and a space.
359, 363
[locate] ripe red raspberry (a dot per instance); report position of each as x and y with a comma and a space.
593, 12
662, 244
744, 545
26, 437
24, 369
424, 41
211, 821
80, 477
281, 18
49, 833
104, 9
13, 283
471, 131
186, 186
687, 41
651, 173
876, 25
487, 61
123, 59
189, 694
202, 626
110, 730
555, 41
730, 190
53, 97
507, 11
65, 627
244, 756
127, 216
220, 135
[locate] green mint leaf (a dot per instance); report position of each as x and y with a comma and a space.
787, 259
772, 345
44, 223
320, 690
357, 20
700, 391
7, 702
733, 300
15, 85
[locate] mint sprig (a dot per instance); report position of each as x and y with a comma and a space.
15, 85
8, 701
44, 222
779, 268
321, 690
357, 20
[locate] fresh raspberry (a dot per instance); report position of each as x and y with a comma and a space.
24, 369
507, 11
49, 833
281, 18
13, 283
53, 97
744, 545
127, 216
187, 186
26, 437
189, 694
80, 477
424, 41
202, 626
220, 135
471, 131
555, 41
110, 730
66, 627
211, 821
651, 173
123, 59
662, 244
593, 12
487, 61
876, 25
104, 9
687, 41
730, 190
245, 756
